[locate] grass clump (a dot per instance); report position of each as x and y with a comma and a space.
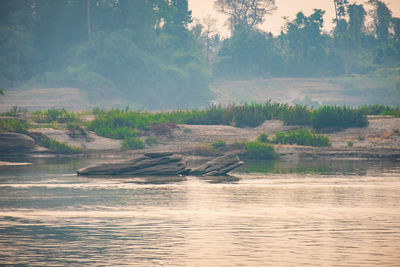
220, 144
132, 143
151, 141
303, 137
13, 125
350, 143
75, 130
335, 116
258, 150
263, 138
380, 110
54, 115
15, 112
56, 146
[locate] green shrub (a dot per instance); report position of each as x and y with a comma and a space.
301, 137
76, 130
151, 141
13, 125
350, 143
53, 114
263, 138
15, 110
219, 144
132, 143
335, 116
295, 115
258, 150
380, 110
57, 147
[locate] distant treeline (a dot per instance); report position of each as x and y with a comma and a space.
151, 54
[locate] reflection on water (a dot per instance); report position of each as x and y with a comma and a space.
332, 213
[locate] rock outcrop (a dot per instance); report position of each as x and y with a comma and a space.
15, 143
152, 163
162, 163
218, 166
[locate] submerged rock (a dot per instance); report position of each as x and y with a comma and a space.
15, 143
218, 166
147, 164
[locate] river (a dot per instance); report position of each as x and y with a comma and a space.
302, 213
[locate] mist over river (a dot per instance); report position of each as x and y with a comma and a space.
302, 213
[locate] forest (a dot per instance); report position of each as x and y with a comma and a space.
155, 55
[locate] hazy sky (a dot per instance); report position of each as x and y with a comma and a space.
273, 23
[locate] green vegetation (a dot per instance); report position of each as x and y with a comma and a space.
54, 115
151, 141
263, 138
14, 112
258, 150
219, 144
132, 143
335, 116
361, 138
13, 125
56, 146
76, 130
350, 143
380, 110
303, 137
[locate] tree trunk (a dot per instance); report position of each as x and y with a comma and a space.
88, 19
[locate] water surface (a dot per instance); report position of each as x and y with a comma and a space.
305, 213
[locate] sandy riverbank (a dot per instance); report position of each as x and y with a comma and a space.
380, 139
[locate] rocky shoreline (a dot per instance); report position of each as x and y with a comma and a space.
380, 140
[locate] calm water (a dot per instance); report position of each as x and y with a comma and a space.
325, 213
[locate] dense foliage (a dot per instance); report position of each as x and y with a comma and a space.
121, 124
302, 137
335, 116
139, 51
259, 150
145, 52
13, 125
56, 146
304, 49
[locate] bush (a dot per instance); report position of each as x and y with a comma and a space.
15, 111
76, 130
263, 138
301, 137
57, 147
350, 143
151, 141
53, 114
258, 150
13, 125
295, 115
132, 143
219, 144
380, 110
335, 116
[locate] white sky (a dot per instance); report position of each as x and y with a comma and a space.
273, 23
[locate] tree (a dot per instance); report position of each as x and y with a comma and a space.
396, 28
340, 8
247, 13
382, 17
306, 43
